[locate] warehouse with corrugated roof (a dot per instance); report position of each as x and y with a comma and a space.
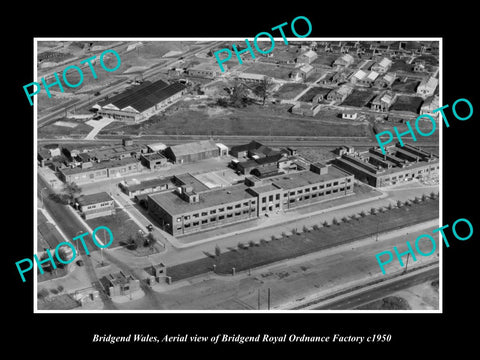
140, 102
193, 151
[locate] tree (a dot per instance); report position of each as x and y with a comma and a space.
399, 203
325, 223
432, 195
218, 252
238, 96
424, 197
71, 190
390, 206
345, 219
373, 211
335, 221
315, 227
251, 243
263, 89
363, 213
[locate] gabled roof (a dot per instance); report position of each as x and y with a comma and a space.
193, 147
94, 198
144, 96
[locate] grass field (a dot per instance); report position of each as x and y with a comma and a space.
359, 98
408, 103
55, 130
276, 71
410, 86
388, 303
274, 120
289, 91
265, 252
121, 225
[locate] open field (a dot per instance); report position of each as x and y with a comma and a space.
121, 225
407, 103
264, 251
277, 71
359, 98
409, 86
289, 91
209, 119
55, 130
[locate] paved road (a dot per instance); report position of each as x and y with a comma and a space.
353, 301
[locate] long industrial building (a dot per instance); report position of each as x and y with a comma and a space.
140, 102
399, 164
186, 210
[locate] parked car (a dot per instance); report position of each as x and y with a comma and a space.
150, 227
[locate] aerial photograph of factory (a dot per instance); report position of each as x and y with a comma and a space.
258, 185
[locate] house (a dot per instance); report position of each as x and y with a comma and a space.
431, 103
305, 109
321, 94
95, 205
349, 115
364, 78
427, 86
251, 78
382, 66
340, 94
117, 284
307, 57
43, 155
153, 161
222, 148
205, 70
386, 80
193, 151
383, 101
344, 61
251, 149
301, 73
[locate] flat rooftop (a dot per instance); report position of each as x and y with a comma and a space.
175, 205
190, 180
94, 198
304, 178
101, 165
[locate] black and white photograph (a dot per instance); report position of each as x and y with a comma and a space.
220, 179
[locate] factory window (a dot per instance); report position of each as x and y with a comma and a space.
221, 217
187, 226
229, 215
335, 190
264, 200
349, 180
213, 211
237, 206
196, 215
285, 195
245, 204
329, 185
277, 197
307, 197
221, 209
270, 198
229, 207
349, 187
342, 189
204, 213
254, 202
264, 208
238, 213
179, 228
213, 218
335, 183
292, 193
292, 200
314, 195
314, 188
328, 192
300, 191
321, 186
204, 221
245, 211
307, 190
277, 206
196, 223
187, 217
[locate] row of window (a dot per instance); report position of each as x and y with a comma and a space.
219, 210
214, 218
99, 205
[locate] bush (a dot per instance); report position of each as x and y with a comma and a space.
54, 291
316, 227
363, 214
399, 203
42, 294
345, 219
60, 288
373, 211
305, 228
325, 224
251, 243
335, 221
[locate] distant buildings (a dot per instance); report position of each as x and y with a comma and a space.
117, 284
399, 164
140, 102
365, 78
205, 70
307, 57
340, 94
251, 78
344, 61
96, 205
382, 66
386, 80
427, 86
383, 101
194, 151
